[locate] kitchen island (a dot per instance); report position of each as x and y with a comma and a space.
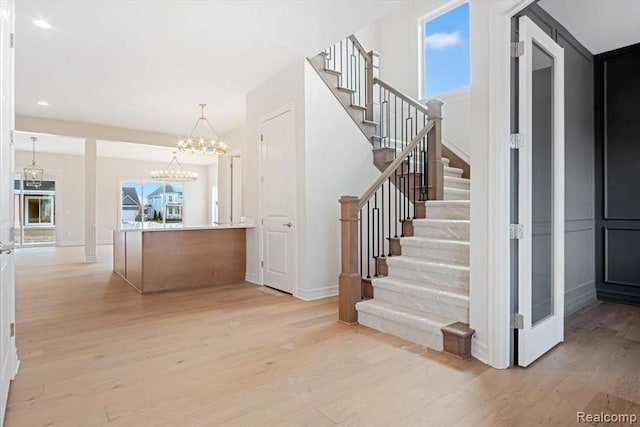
166, 258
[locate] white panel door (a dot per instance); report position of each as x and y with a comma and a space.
541, 194
278, 200
8, 358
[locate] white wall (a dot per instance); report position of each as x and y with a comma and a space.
333, 158
70, 199
339, 161
396, 38
69, 174
285, 89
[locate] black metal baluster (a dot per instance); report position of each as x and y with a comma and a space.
368, 241
381, 249
376, 235
389, 210
361, 237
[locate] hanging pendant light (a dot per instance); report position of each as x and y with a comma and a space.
202, 139
33, 173
177, 173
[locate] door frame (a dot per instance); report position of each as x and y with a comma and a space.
290, 107
7, 148
536, 340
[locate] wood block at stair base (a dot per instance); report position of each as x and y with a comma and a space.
381, 263
407, 227
394, 246
367, 288
421, 209
457, 339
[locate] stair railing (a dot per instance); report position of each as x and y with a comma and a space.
351, 61
407, 147
368, 222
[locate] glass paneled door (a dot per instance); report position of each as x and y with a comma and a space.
540, 193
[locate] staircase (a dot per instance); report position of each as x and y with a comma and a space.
405, 242
427, 286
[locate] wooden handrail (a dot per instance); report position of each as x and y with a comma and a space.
405, 98
395, 164
359, 46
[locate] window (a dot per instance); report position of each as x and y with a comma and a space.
150, 203
34, 219
446, 62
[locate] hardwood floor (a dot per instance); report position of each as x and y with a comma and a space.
95, 352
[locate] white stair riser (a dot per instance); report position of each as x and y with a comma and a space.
448, 212
456, 194
461, 183
453, 172
431, 277
441, 229
424, 304
438, 251
431, 339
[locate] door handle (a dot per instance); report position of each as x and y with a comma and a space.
288, 225
6, 249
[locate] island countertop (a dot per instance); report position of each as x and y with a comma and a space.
171, 227
180, 257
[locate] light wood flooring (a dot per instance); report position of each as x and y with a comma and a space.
95, 352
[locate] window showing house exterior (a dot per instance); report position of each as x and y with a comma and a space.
446, 60
150, 203
34, 212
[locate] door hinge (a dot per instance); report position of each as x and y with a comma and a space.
262, 221
12, 40
12, 330
516, 141
261, 137
516, 231
517, 321
517, 49
261, 263
262, 179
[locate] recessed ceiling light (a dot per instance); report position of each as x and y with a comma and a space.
41, 23
43, 103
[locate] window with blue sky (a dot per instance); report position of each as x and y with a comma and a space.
446, 52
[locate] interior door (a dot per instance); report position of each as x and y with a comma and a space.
8, 358
541, 194
278, 200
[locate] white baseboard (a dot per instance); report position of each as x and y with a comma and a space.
314, 294
579, 297
252, 278
92, 259
69, 244
480, 351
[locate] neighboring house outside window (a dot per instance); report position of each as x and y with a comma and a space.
150, 202
446, 60
130, 204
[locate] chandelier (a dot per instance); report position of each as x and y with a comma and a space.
33, 173
175, 174
202, 139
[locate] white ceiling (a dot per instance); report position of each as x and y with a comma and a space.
117, 150
600, 25
148, 64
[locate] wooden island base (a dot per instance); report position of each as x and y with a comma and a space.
158, 260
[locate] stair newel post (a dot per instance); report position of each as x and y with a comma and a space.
373, 97
350, 281
435, 183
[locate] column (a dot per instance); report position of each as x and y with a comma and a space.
90, 188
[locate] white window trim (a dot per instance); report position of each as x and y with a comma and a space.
439, 11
